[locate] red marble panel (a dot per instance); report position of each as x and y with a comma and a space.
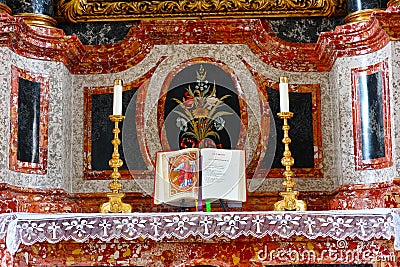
352, 39
358, 197
392, 198
382, 162
16, 199
347, 40
189, 252
6, 258
140, 126
349, 197
14, 164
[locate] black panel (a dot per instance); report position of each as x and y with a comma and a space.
371, 113
102, 129
45, 7
303, 30
301, 129
357, 5
28, 120
97, 33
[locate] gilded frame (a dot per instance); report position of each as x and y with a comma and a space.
125, 10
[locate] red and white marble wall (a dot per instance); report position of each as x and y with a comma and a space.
347, 171
153, 49
395, 94
53, 175
185, 49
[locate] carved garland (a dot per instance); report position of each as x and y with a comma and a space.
90, 10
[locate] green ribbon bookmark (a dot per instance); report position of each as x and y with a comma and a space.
208, 206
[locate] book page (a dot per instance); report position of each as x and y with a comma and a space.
223, 174
159, 175
177, 176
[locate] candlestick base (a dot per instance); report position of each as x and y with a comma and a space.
115, 204
290, 202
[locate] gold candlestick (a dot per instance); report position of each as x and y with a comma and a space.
289, 201
115, 203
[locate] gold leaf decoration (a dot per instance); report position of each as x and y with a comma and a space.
97, 10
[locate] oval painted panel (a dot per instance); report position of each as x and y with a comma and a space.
201, 105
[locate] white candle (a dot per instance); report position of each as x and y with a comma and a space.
117, 100
284, 94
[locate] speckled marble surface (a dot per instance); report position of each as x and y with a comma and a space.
395, 96
303, 30
350, 47
337, 145
176, 54
45, 7
57, 134
345, 144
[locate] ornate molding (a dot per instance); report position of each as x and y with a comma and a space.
52, 44
124, 10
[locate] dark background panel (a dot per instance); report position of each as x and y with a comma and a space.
28, 120
102, 135
371, 114
301, 129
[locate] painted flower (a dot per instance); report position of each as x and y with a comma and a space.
200, 112
211, 102
188, 100
181, 123
219, 123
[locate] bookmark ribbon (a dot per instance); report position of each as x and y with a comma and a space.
208, 206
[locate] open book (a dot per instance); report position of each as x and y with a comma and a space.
212, 173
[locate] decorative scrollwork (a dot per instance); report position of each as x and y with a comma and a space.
90, 10
71, 10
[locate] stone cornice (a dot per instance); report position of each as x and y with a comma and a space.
54, 45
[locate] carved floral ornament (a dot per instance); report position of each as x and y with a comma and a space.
108, 10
